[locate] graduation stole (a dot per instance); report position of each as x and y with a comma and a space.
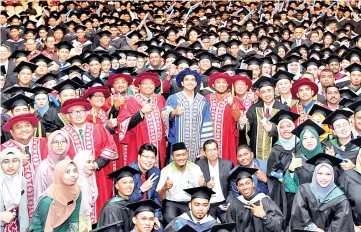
64, 119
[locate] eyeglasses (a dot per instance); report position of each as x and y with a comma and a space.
209, 151
98, 96
148, 157
59, 142
76, 112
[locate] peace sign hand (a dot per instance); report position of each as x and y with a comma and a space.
257, 211
148, 184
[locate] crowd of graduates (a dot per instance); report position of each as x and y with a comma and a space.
185, 115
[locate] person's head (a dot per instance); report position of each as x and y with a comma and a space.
267, 94
315, 37
97, 99
305, 93
323, 181
240, 87
245, 186
332, 94
204, 64
298, 33
324, 175
155, 59
327, 77
285, 128
50, 42
309, 139
120, 85
30, 45
199, 207
144, 221
22, 131
244, 156
283, 86
66, 173
342, 128
66, 94
77, 115
189, 82
63, 54
104, 41
20, 109
58, 143
147, 157
179, 154
14, 32
355, 78
10, 160
256, 70
94, 67
4, 53
147, 87
124, 185
84, 160
131, 61
210, 147
25, 77
220, 85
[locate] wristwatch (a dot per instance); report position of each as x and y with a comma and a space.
265, 217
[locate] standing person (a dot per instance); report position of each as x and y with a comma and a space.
140, 119
58, 209
197, 216
33, 149
252, 211
93, 137
84, 160
13, 199
226, 111
115, 209
242, 85
187, 115
321, 205
283, 86
58, 147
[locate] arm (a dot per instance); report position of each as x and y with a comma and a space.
135, 120
342, 220
274, 217
40, 215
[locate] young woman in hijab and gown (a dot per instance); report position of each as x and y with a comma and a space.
320, 205
58, 147
84, 160
350, 183
58, 208
13, 198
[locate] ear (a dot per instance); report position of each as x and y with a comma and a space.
11, 132
134, 220
190, 205
312, 92
182, 84
116, 186
299, 95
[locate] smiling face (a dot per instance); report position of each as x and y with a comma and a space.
342, 128
180, 158
147, 160
71, 175
22, 131
125, 186
285, 129
309, 141
245, 187
147, 87
305, 93
221, 85
10, 164
189, 82
59, 145
284, 86
144, 221
267, 94
324, 176
97, 99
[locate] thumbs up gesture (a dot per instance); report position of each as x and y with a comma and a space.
295, 163
178, 111
201, 181
211, 183
168, 184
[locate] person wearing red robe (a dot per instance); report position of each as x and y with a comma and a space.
140, 119
22, 129
225, 111
91, 136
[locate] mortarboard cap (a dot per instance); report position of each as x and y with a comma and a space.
25, 65
67, 84
356, 141
94, 82
64, 45
204, 55
187, 228
324, 158
281, 74
264, 81
108, 227
47, 77
348, 93
40, 58
125, 171
17, 100
134, 33
40, 90
103, 34
92, 57
223, 227
154, 49
355, 107
310, 62
19, 54
241, 173
333, 58
182, 59
284, 114
200, 192
253, 61
171, 54
143, 206
316, 108
212, 70
308, 123
354, 67
336, 115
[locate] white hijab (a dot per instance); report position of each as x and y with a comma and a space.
11, 186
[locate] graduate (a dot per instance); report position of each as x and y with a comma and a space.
321, 205
252, 211
115, 209
198, 217
144, 219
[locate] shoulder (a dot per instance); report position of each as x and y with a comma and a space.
45, 202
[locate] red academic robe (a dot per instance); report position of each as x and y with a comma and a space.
98, 140
149, 130
225, 125
39, 151
298, 109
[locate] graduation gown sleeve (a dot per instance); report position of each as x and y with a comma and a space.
113, 212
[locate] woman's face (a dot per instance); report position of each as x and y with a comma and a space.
221, 51
286, 128
59, 144
266, 69
309, 141
89, 167
41, 100
293, 67
71, 175
317, 119
324, 176
10, 164
281, 52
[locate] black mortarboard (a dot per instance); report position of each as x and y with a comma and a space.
103, 34
354, 67
80, 27
67, 84
310, 62
25, 65
200, 192
178, 146
47, 77
299, 230
59, 28
353, 53
336, 115
171, 54
284, 114
125, 171
227, 56
204, 55
355, 107
134, 33
19, 54
125, 70
245, 72
74, 59
94, 82
154, 49
356, 141
345, 102
17, 100
64, 45
223, 227
40, 90
316, 108
324, 158
143, 206
333, 58
108, 227
182, 59
281, 74
264, 81
73, 69
187, 228
348, 93
4, 12
92, 57
293, 58
308, 123
40, 58
12, 27
105, 57
212, 70
196, 45
2, 70
241, 173
253, 61
229, 67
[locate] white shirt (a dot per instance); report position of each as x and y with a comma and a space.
24, 145
214, 172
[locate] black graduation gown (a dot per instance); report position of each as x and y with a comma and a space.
14, 45
52, 120
333, 216
115, 210
246, 222
351, 150
350, 183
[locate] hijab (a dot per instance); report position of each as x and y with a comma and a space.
52, 158
318, 149
11, 185
42, 110
298, 73
322, 192
87, 183
287, 144
60, 209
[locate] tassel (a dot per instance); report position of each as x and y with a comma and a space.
233, 90
112, 100
39, 130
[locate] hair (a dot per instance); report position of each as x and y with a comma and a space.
331, 86
243, 146
326, 70
147, 147
308, 73
209, 141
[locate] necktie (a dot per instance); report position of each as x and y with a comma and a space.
142, 180
81, 135
27, 150
266, 115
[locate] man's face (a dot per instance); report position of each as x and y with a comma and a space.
256, 70
199, 207
125, 186
284, 86
211, 151
267, 94
131, 61
41, 100
105, 41
155, 59
245, 187
30, 45
4, 53
313, 69
315, 37
144, 221
205, 64
25, 76
97, 100
357, 121
42, 68
245, 157
94, 67
335, 67
80, 33
50, 42
14, 33
180, 158
105, 66
333, 95
147, 160
120, 85
355, 78
67, 94
58, 34
342, 128
63, 54
77, 115
221, 86
22, 130
147, 87
18, 110
305, 93
3, 19
189, 82
326, 79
